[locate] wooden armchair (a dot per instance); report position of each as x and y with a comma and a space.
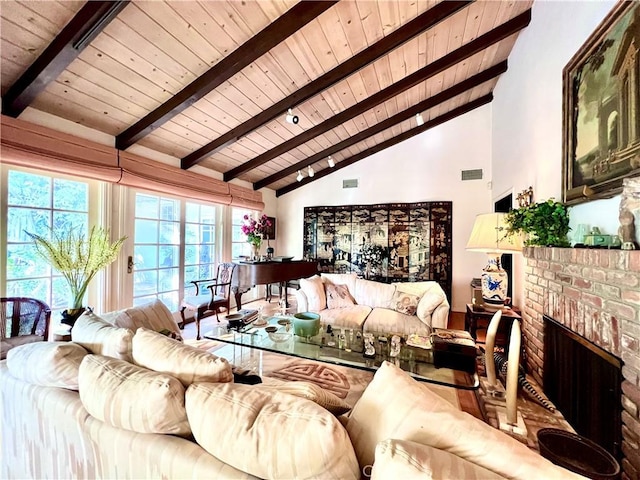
22, 320
211, 295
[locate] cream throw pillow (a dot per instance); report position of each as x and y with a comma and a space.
269, 434
49, 364
102, 338
131, 397
313, 288
404, 459
154, 316
188, 364
394, 405
307, 390
338, 296
428, 303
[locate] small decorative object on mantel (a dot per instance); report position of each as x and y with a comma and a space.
78, 259
525, 197
629, 211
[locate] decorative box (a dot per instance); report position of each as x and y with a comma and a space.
454, 349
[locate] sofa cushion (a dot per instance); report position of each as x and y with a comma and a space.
348, 279
373, 294
188, 364
396, 406
428, 303
127, 396
404, 459
338, 296
390, 321
350, 317
404, 302
313, 288
269, 434
49, 364
310, 391
153, 316
101, 337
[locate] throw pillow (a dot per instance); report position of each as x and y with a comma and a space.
310, 391
313, 288
49, 364
154, 316
188, 364
235, 422
394, 405
404, 302
338, 296
127, 396
102, 338
404, 459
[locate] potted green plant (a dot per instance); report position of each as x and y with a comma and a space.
78, 259
544, 223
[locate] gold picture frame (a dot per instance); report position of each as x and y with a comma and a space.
601, 109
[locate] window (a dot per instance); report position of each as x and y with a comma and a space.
200, 244
164, 257
36, 203
156, 250
239, 245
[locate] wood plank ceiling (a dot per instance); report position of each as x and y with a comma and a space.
210, 82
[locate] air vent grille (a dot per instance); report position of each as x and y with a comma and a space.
351, 183
472, 174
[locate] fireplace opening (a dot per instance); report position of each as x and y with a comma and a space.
585, 384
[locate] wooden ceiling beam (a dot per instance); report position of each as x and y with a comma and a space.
456, 112
431, 102
423, 22
283, 27
484, 41
90, 20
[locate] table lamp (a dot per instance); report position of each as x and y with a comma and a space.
489, 235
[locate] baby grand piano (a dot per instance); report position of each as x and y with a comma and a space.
247, 275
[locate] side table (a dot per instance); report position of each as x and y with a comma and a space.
479, 319
62, 334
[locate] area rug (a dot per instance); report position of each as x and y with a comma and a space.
345, 382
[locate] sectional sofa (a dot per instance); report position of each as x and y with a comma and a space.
117, 404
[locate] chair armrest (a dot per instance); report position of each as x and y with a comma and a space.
213, 286
301, 299
198, 282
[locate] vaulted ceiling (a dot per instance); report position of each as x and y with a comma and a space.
210, 82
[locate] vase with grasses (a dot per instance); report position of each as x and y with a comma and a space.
78, 259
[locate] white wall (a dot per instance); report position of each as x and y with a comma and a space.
424, 168
527, 111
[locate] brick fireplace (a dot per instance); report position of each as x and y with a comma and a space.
596, 294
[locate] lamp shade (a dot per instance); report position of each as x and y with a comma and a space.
489, 234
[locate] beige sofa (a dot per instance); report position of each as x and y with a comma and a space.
117, 404
346, 301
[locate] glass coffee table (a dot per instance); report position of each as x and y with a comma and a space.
418, 362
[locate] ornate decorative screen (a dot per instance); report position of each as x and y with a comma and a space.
414, 240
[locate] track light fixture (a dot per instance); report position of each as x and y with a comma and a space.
310, 171
299, 177
331, 162
419, 119
291, 118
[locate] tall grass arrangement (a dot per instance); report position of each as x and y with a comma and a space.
78, 259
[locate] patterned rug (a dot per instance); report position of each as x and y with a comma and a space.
345, 382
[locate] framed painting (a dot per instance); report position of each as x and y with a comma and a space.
601, 109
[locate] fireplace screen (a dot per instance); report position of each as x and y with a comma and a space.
584, 382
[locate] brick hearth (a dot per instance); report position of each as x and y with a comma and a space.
595, 293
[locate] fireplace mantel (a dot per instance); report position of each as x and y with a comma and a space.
596, 294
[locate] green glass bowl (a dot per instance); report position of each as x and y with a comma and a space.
306, 324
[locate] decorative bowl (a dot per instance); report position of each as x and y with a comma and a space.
306, 324
276, 335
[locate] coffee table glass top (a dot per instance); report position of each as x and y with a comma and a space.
416, 361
